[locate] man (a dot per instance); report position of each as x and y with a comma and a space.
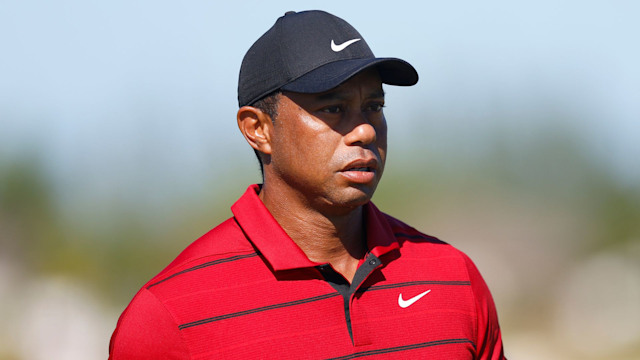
308, 267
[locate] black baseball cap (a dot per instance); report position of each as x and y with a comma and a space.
311, 52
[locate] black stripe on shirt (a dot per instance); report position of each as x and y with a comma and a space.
204, 265
256, 310
413, 283
404, 348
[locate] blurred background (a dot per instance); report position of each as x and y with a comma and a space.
520, 145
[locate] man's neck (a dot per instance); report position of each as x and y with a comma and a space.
335, 239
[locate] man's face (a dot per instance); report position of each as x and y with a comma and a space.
330, 148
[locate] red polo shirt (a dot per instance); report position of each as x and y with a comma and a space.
245, 290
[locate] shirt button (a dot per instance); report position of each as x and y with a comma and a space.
372, 262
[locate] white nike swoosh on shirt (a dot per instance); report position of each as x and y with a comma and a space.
338, 48
406, 303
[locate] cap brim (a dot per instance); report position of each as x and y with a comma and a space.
392, 71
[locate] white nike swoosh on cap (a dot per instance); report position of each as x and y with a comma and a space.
338, 48
406, 303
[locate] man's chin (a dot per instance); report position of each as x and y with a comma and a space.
350, 199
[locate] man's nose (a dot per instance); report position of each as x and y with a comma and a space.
362, 133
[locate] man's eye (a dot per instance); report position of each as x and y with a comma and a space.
332, 109
375, 107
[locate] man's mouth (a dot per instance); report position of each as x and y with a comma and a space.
368, 165
360, 169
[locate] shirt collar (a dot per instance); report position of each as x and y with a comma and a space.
380, 236
282, 253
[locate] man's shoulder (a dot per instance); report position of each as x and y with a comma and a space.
414, 242
152, 317
426, 254
224, 243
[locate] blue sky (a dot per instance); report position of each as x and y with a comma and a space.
109, 93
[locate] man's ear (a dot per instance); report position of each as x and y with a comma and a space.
256, 126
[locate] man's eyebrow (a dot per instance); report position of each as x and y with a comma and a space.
376, 94
332, 95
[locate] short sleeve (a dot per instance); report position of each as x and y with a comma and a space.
146, 331
489, 338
